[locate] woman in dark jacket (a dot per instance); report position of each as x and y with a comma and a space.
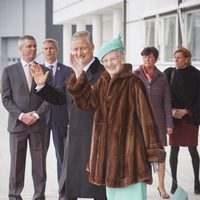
185, 92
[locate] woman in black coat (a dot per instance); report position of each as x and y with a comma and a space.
185, 92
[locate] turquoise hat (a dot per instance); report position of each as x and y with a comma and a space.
113, 45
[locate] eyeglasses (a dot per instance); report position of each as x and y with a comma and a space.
111, 60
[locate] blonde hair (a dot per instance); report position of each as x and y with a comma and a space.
186, 53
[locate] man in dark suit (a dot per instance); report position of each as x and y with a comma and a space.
74, 177
57, 117
26, 122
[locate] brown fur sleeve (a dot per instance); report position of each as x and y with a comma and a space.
82, 93
153, 145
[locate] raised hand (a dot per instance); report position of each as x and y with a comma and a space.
77, 68
39, 76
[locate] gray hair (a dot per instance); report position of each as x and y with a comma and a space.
81, 34
121, 53
23, 38
51, 40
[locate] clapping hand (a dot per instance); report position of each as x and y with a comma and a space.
77, 68
39, 76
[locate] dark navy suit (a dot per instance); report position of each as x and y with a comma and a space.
57, 117
74, 176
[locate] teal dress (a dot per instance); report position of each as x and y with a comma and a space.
135, 191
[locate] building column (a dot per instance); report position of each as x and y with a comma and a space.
80, 26
97, 32
117, 22
67, 34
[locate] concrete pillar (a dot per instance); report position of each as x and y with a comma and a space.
67, 34
117, 22
97, 32
80, 26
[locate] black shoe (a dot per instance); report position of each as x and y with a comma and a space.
173, 188
197, 188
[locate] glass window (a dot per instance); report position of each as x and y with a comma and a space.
169, 37
89, 28
193, 33
150, 33
73, 28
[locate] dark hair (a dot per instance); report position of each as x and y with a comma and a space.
150, 50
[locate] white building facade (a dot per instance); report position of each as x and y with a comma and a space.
163, 24
25, 17
18, 18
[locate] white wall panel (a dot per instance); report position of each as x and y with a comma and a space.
136, 9
34, 22
11, 18
74, 10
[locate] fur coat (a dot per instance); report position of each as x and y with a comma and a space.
125, 136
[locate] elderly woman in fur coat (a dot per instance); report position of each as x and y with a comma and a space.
125, 135
125, 138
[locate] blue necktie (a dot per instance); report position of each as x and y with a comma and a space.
52, 75
51, 70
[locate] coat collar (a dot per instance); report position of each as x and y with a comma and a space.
92, 69
157, 73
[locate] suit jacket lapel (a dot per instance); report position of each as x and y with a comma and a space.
91, 71
89, 75
58, 71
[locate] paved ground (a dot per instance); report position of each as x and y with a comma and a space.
185, 172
